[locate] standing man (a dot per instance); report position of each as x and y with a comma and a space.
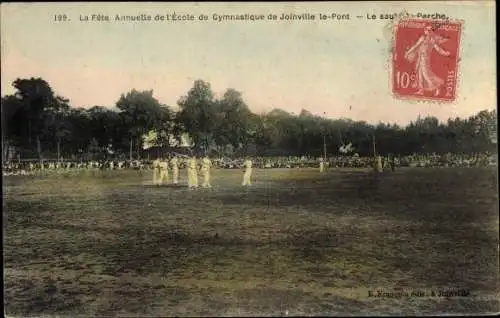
379, 164
192, 173
156, 171
248, 173
392, 163
321, 165
175, 169
163, 171
206, 164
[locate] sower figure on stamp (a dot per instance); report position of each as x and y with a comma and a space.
205, 170
175, 170
247, 175
420, 53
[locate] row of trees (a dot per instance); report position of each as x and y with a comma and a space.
38, 121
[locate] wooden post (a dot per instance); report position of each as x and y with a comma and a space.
58, 149
130, 156
138, 148
324, 147
324, 138
374, 150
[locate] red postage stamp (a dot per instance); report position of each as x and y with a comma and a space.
425, 59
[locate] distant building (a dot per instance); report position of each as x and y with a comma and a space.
12, 153
186, 141
152, 149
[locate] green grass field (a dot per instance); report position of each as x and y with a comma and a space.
110, 243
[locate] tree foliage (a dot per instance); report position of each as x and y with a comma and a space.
199, 114
39, 121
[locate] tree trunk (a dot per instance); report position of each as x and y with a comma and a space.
58, 149
130, 148
138, 149
324, 147
29, 134
6, 146
38, 146
206, 146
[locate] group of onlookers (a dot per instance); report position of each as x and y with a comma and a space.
352, 161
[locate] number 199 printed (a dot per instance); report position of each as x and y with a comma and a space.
61, 18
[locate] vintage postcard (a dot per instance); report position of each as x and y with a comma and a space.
249, 159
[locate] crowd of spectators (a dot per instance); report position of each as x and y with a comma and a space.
353, 161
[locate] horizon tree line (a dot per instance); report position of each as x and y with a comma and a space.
42, 124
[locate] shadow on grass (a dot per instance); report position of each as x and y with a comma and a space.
162, 186
415, 229
139, 250
408, 195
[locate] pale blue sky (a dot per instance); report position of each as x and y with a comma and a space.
317, 65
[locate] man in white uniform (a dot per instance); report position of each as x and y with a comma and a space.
163, 171
175, 169
206, 164
379, 167
248, 173
321, 165
156, 171
192, 170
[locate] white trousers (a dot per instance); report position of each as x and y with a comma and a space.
156, 176
192, 178
163, 176
246, 178
175, 175
379, 165
206, 179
